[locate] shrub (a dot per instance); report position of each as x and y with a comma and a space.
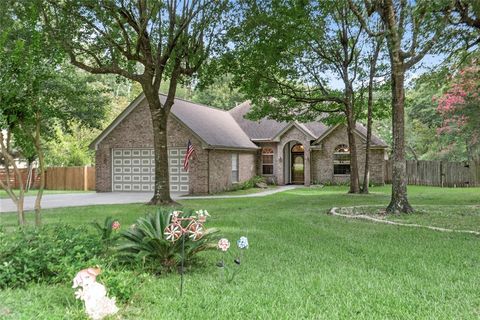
145, 243
108, 231
249, 183
51, 254
121, 284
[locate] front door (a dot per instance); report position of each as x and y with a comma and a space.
297, 168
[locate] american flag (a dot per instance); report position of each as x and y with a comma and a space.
188, 155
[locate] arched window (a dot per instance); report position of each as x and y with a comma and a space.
267, 161
341, 160
298, 148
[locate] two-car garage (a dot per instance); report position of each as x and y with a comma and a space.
134, 170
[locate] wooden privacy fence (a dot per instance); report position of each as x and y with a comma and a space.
58, 178
439, 173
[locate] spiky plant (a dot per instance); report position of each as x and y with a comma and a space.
145, 242
108, 230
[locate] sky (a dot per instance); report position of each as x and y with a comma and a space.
429, 62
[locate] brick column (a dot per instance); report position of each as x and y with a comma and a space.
278, 167
306, 168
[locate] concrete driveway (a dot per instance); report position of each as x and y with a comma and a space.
93, 198
77, 199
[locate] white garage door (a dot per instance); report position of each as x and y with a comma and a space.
134, 170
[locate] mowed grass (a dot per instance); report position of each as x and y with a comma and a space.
302, 263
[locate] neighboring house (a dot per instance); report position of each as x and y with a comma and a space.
228, 149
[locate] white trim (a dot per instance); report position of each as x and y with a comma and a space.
267, 164
237, 167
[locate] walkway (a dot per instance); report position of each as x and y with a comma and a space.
91, 198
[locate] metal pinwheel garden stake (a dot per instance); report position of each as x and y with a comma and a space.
194, 229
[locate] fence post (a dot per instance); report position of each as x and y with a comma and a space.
85, 178
442, 174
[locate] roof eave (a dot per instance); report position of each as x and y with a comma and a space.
276, 138
262, 140
211, 147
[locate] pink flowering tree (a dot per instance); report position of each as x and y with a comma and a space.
459, 108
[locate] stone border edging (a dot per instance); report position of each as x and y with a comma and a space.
334, 212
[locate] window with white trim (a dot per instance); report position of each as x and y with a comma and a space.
341, 160
234, 167
267, 161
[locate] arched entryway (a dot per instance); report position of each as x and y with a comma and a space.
297, 156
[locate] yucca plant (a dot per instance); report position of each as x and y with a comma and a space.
145, 242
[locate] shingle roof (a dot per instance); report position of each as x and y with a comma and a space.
376, 141
214, 126
229, 129
266, 129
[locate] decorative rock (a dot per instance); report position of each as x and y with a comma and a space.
261, 185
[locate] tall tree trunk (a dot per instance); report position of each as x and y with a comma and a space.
354, 176
366, 173
399, 202
159, 116
41, 165
9, 160
371, 76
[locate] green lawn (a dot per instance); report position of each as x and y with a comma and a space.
4, 195
302, 263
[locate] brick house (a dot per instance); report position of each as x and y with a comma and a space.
228, 149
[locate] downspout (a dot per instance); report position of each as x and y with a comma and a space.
208, 168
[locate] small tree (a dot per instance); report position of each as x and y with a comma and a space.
376, 46
144, 41
459, 108
37, 94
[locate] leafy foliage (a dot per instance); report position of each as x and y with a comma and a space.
38, 94
145, 243
121, 284
52, 254
442, 110
107, 230
250, 183
459, 108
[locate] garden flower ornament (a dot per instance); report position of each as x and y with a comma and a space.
242, 243
223, 244
194, 230
115, 225
229, 272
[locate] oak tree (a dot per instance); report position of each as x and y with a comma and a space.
144, 41
412, 30
285, 56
